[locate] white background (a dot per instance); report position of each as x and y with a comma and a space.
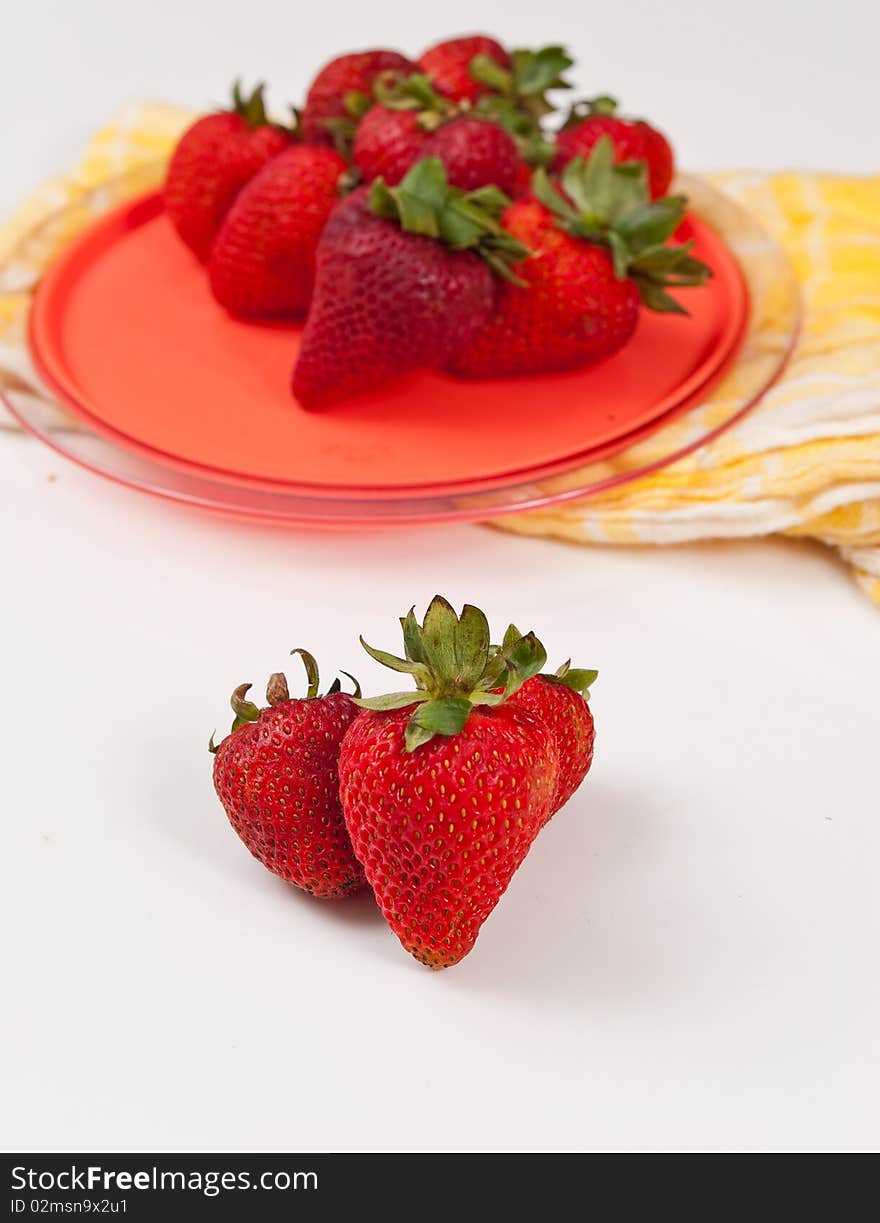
687, 960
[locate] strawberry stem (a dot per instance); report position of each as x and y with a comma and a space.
454, 668
424, 204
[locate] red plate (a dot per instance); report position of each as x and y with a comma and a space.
125, 332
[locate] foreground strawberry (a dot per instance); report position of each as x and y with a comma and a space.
342, 93
403, 281
445, 788
448, 65
263, 260
213, 160
559, 702
601, 253
277, 777
632, 139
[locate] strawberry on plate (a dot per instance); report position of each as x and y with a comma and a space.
601, 252
387, 143
475, 153
403, 281
277, 776
411, 121
448, 65
632, 140
342, 93
391, 136
263, 260
213, 160
445, 787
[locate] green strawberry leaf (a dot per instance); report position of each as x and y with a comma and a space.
657, 299
244, 710
391, 700
470, 646
525, 658
579, 679
486, 71
412, 636
537, 71
356, 103
425, 204
405, 665
649, 224
440, 717
251, 108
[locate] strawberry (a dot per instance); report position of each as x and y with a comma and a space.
390, 138
400, 283
342, 93
559, 702
476, 153
263, 260
445, 788
387, 144
213, 160
633, 140
277, 777
602, 252
412, 121
448, 65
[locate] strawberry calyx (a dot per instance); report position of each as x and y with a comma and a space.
455, 668
424, 204
517, 96
532, 74
252, 108
396, 90
579, 679
277, 692
588, 108
342, 127
609, 203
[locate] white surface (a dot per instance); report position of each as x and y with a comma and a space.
687, 960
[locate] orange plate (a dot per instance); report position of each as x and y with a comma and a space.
125, 331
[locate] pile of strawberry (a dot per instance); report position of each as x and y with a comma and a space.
422, 214
431, 796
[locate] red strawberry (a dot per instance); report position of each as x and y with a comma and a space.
277, 777
213, 160
400, 284
448, 65
263, 260
391, 136
476, 153
445, 788
343, 91
559, 702
387, 144
523, 185
633, 140
601, 252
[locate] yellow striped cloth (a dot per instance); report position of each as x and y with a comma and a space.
806, 461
